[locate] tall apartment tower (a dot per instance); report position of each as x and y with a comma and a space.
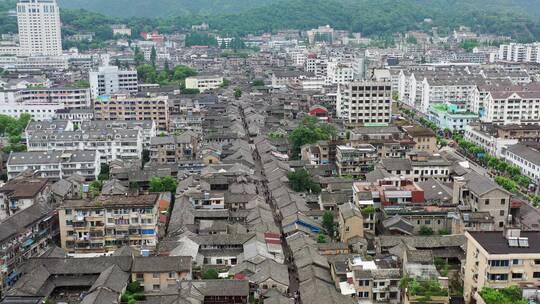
364, 102
39, 28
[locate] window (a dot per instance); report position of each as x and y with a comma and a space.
155, 275
172, 275
68, 211
487, 201
536, 275
503, 201
155, 287
498, 277
517, 262
517, 276
501, 213
363, 294
140, 276
498, 263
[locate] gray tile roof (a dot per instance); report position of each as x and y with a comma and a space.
161, 264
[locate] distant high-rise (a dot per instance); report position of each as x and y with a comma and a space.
39, 28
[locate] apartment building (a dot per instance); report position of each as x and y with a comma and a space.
174, 148
364, 103
39, 28
42, 104
355, 161
481, 194
110, 144
204, 82
316, 65
26, 234
126, 107
486, 138
147, 127
519, 52
107, 223
519, 106
55, 165
109, 80
526, 156
498, 260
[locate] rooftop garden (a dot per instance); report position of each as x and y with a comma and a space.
423, 289
508, 295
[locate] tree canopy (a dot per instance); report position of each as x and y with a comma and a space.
309, 131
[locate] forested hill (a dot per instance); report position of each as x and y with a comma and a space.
163, 8
517, 18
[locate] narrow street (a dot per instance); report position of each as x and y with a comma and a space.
294, 281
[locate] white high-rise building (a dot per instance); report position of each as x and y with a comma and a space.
39, 28
108, 80
364, 102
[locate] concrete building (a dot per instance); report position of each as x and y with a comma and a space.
39, 28
204, 82
366, 102
21, 193
107, 223
425, 138
159, 273
519, 106
108, 80
42, 104
526, 156
519, 52
498, 260
450, 117
24, 235
110, 143
138, 108
355, 161
174, 148
481, 194
55, 165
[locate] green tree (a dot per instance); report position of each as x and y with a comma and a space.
153, 56
138, 56
210, 274
301, 181
147, 73
181, 72
309, 131
237, 93
329, 224
425, 230
321, 238
258, 83
162, 184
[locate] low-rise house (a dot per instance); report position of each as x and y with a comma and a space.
481, 194
425, 138
160, 273
351, 222
267, 275
526, 156
204, 82
21, 193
